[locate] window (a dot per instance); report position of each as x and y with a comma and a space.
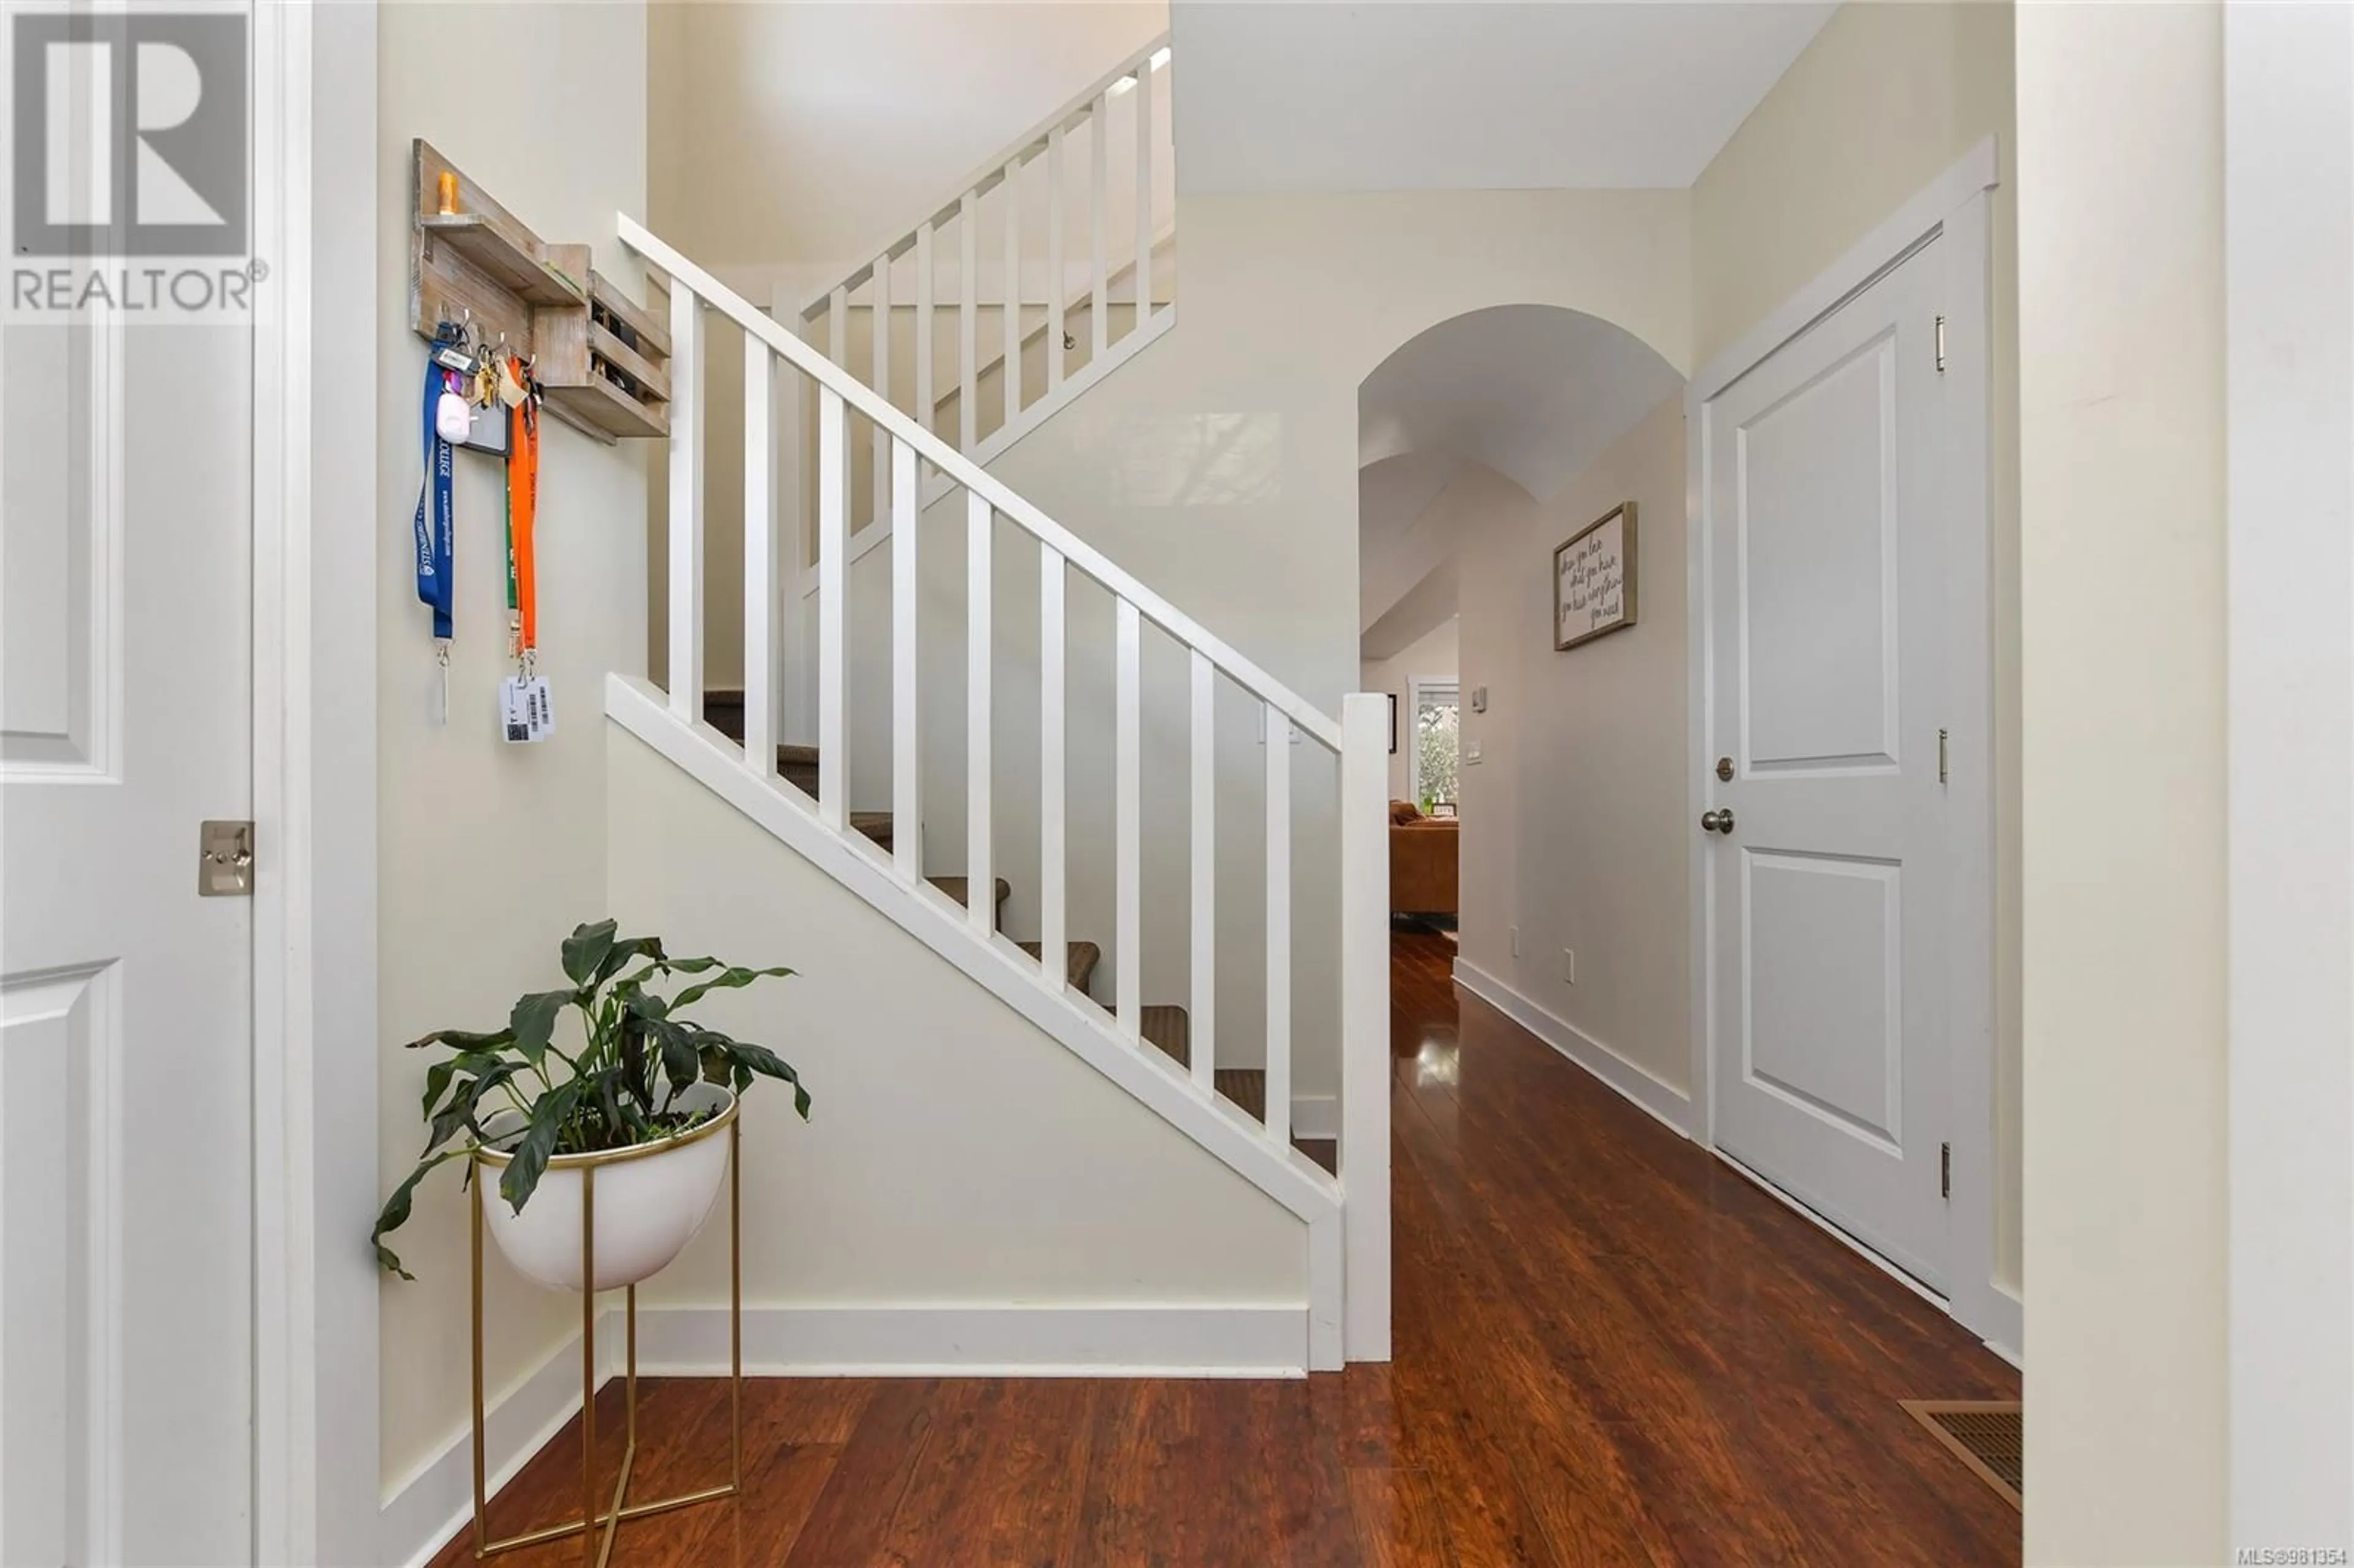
1437, 727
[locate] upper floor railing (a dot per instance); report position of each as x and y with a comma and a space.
1100, 260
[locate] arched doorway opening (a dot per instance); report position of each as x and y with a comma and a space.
1472, 436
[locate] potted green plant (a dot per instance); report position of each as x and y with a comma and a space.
642, 1099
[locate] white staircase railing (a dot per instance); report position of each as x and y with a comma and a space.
1120, 126
1347, 1218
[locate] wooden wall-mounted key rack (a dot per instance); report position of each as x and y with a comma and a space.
601, 360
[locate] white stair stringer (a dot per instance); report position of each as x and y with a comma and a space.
1015, 979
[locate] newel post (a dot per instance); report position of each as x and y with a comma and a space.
1365, 1024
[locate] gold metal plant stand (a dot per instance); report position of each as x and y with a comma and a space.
594, 1549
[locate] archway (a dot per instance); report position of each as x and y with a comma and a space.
1469, 435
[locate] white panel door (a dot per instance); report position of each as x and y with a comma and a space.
125, 999
1828, 661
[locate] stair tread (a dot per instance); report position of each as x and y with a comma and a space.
1171, 1030
1083, 958
1167, 1028
954, 887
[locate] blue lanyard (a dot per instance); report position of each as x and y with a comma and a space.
436, 543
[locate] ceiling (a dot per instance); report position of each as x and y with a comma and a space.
1393, 492
1418, 612
1534, 392
1431, 95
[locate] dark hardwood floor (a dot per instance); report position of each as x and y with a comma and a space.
1610, 1349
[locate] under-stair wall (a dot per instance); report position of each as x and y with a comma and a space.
987, 1195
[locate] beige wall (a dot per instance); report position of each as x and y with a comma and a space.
954, 1153
1573, 826
1888, 97
489, 853
2120, 142
1435, 656
803, 133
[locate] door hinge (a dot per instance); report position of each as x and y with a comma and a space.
225, 859
1945, 1171
1941, 345
1945, 757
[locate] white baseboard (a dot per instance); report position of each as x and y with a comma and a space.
423, 1514
986, 1340
1316, 1116
1149, 1339
2005, 1327
1637, 1083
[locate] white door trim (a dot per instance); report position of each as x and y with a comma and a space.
315, 1061
1954, 206
2288, 236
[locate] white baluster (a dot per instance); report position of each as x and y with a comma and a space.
967, 325
1143, 192
1365, 1021
1054, 934
879, 345
1055, 369
981, 888
790, 393
833, 596
1099, 174
759, 560
685, 503
1204, 990
926, 397
1278, 926
906, 725
1127, 910
837, 327
1012, 376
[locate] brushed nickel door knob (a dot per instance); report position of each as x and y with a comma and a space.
1717, 821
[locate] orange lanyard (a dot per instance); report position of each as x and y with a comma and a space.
523, 510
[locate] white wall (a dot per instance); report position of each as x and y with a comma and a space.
2289, 208
1886, 99
1435, 657
1574, 828
2120, 226
489, 853
954, 1154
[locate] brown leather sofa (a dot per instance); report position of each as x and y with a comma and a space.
1423, 862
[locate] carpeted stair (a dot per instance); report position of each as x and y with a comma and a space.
1167, 1029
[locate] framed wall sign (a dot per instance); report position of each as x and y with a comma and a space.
1593, 580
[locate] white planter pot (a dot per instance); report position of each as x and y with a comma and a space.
651, 1200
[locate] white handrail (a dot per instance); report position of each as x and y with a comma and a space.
758, 325
984, 179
